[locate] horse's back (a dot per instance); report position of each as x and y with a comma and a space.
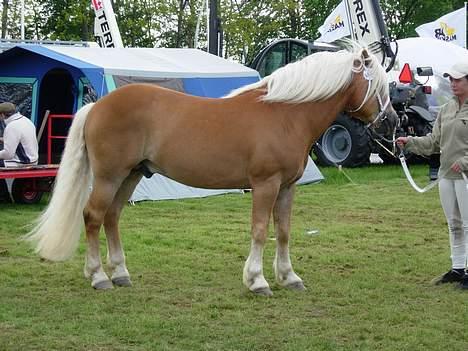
146, 111
198, 141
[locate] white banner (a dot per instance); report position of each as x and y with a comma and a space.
450, 28
336, 25
106, 30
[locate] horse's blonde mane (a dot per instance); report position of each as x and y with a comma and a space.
320, 76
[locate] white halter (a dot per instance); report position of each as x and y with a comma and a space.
382, 106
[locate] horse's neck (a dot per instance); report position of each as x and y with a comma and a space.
316, 117
309, 120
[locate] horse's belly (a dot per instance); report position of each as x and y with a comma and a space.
202, 175
210, 180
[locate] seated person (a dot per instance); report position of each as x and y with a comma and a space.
18, 146
19, 138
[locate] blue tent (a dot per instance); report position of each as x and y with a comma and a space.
63, 78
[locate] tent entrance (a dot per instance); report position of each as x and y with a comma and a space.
56, 94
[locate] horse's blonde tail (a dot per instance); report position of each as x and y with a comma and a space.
56, 233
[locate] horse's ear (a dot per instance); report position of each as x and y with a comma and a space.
365, 56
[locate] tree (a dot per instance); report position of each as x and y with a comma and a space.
67, 20
4, 18
403, 16
248, 25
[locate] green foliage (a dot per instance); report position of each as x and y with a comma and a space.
403, 16
67, 20
367, 273
248, 25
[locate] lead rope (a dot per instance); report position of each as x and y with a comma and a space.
432, 184
465, 179
410, 179
339, 167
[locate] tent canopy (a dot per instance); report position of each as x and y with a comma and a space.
191, 71
162, 63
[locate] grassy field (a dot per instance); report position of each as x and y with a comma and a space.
367, 272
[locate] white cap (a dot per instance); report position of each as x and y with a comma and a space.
458, 70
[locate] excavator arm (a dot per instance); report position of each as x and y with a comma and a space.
368, 26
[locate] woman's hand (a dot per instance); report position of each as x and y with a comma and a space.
401, 141
456, 168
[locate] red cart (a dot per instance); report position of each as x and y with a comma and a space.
31, 182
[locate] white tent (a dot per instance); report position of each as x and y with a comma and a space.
440, 55
159, 187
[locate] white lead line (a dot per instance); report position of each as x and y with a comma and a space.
430, 185
465, 178
411, 180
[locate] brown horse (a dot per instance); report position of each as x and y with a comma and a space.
258, 137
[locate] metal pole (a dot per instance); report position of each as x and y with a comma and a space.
213, 31
197, 27
207, 11
466, 26
220, 39
22, 19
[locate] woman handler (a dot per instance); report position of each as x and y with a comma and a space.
450, 137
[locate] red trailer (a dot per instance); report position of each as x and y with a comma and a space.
30, 182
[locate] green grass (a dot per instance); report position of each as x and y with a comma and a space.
367, 274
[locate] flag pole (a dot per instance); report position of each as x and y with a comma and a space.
466, 26
349, 20
22, 19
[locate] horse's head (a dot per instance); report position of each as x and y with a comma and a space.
369, 98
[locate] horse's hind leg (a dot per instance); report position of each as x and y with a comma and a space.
284, 273
263, 198
99, 201
115, 253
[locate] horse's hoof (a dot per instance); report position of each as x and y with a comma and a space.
122, 281
103, 285
263, 292
299, 286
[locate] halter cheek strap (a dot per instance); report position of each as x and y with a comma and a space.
382, 106
367, 76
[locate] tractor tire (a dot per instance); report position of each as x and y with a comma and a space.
346, 143
23, 192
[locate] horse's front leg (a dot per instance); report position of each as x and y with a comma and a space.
263, 197
284, 272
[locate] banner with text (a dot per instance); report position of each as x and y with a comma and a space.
106, 30
450, 27
336, 25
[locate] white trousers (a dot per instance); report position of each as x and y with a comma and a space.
454, 198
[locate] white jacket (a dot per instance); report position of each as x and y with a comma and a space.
19, 141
